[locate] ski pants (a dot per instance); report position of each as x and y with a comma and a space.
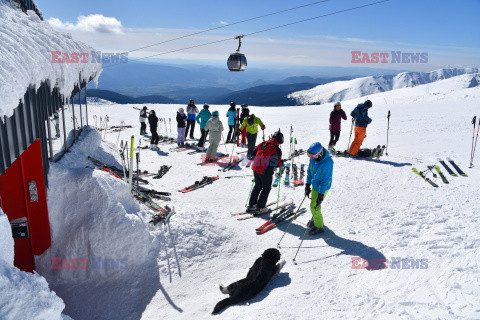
191, 126
212, 148
203, 138
334, 136
143, 127
231, 135
316, 213
244, 135
261, 189
155, 137
180, 135
251, 139
357, 142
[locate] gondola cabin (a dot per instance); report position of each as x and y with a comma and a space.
237, 62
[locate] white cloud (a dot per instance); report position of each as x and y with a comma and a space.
95, 23
223, 23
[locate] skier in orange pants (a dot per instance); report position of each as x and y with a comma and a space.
360, 113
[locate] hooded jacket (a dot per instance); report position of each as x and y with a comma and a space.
268, 156
181, 117
153, 120
215, 128
360, 113
336, 117
203, 117
252, 129
319, 173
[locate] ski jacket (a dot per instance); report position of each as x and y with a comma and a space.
143, 115
336, 117
192, 110
215, 128
203, 117
360, 113
245, 113
232, 115
268, 156
319, 174
181, 117
252, 129
153, 121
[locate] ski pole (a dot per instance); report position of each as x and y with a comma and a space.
476, 139
303, 237
474, 122
294, 217
138, 171
350, 138
250, 194
388, 128
131, 163
170, 124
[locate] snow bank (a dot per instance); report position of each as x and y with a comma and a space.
25, 57
23, 295
360, 87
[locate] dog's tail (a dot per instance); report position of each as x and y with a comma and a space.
222, 305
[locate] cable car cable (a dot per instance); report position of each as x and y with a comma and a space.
252, 33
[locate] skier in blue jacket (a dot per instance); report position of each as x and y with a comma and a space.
232, 116
202, 119
319, 176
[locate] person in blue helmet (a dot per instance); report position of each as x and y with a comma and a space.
319, 181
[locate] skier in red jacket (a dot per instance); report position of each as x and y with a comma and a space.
267, 156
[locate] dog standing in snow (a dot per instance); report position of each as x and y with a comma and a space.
257, 279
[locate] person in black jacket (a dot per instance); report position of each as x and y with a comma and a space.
181, 117
256, 280
153, 121
245, 113
336, 117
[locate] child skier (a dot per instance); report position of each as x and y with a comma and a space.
214, 127
319, 176
181, 117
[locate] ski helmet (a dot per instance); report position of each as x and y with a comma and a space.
337, 104
215, 113
144, 107
368, 104
316, 151
206, 106
278, 136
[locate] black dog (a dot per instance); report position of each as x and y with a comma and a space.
257, 279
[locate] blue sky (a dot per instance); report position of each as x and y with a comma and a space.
448, 31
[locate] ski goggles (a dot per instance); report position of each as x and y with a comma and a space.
317, 156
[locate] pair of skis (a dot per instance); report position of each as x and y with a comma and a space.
199, 184
162, 171
231, 165
283, 215
250, 215
440, 173
287, 174
454, 165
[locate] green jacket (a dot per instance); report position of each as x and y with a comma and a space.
252, 128
203, 117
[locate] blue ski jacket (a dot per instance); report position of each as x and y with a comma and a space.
231, 117
360, 113
203, 117
319, 174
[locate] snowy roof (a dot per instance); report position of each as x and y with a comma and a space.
26, 45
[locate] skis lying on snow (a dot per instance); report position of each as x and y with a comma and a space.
113, 170
154, 193
231, 165
162, 171
267, 205
199, 184
162, 217
450, 172
422, 175
440, 173
460, 172
147, 201
277, 218
219, 159
254, 215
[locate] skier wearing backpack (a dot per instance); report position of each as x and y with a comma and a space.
360, 114
181, 117
192, 110
232, 116
245, 113
251, 124
268, 156
214, 127
143, 121
153, 121
336, 117
319, 176
202, 119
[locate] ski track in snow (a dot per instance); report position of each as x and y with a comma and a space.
375, 209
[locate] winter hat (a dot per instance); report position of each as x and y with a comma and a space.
244, 105
337, 104
278, 136
215, 113
152, 112
144, 107
206, 106
233, 104
316, 151
181, 110
368, 103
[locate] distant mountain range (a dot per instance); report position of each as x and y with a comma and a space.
123, 99
360, 87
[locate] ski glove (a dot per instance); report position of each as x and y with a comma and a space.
263, 127
319, 200
308, 190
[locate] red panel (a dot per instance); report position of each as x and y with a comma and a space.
23, 259
37, 211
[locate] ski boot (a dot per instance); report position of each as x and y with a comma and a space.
259, 212
251, 209
310, 223
314, 230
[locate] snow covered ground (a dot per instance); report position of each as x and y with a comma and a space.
376, 209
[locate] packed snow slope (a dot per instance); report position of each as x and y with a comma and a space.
376, 209
26, 45
361, 87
